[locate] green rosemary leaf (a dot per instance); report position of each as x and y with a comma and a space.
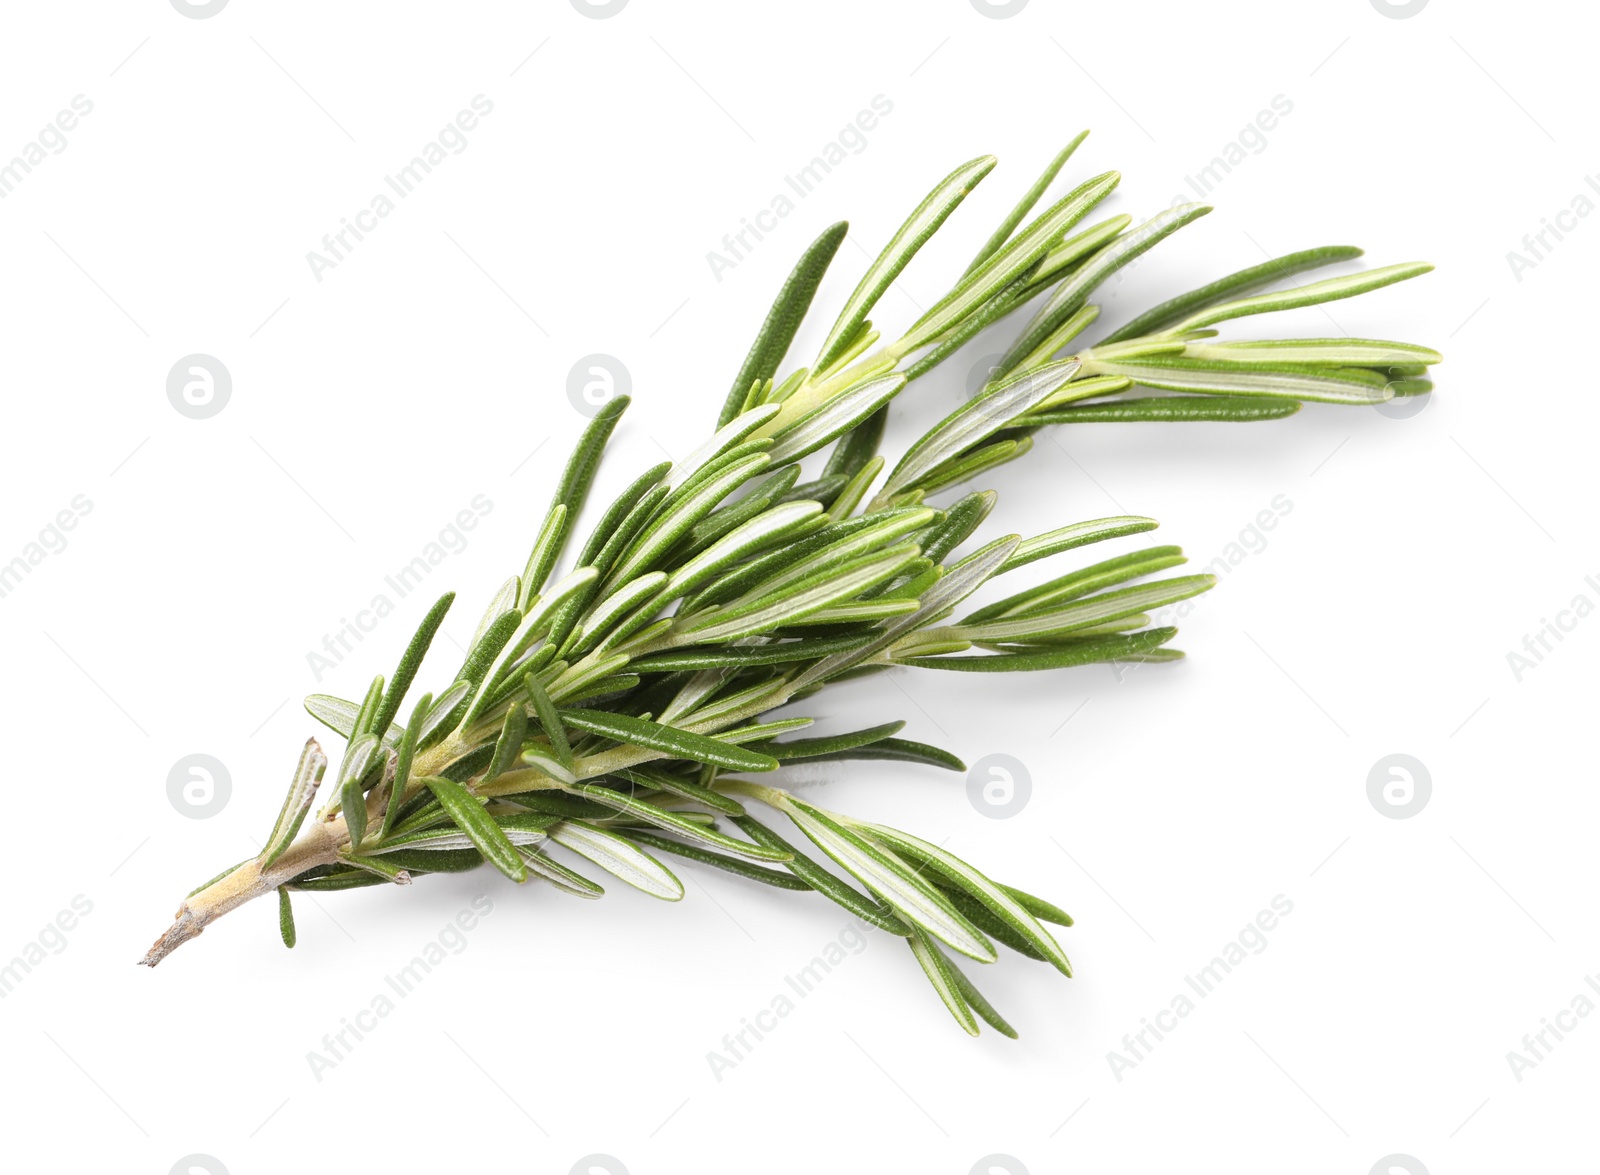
1079, 534
1081, 582
731, 864
1025, 205
1330, 290
762, 731
405, 673
941, 973
968, 465
619, 857
542, 559
680, 744
867, 909
1319, 352
1183, 375
902, 247
889, 877
402, 768
1246, 281
721, 446
772, 491
957, 526
984, 919
810, 748
384, 869
976, 1001
369, 710
1171, 408
1010, 262
568, 881
1073, 293
898, 750
466, 812
1001, 904
783, 320
974, 422
623, 507
508, 747
835, 418
663, 532
1068, 253
1064, 656
339, 880
560, 804
857, 447
672, 822
338, 714
659, 780
296, 803
354, 805
434, 723
742, 656
505, 600
606, 613
1039, 908
549, 721
585, 460
285, 918
753, 537
1036, 626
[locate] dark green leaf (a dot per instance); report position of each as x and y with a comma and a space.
406, 671
680, 744
867, 909
285, 918
466, 811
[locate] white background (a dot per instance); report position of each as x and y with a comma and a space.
1167, 807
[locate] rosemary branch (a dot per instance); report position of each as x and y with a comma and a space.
620, 707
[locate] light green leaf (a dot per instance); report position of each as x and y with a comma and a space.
941, 973
296, 803
1330, 290
619, 857
1024, 206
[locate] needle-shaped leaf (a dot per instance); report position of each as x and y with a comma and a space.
285, 918
1073, 293
1320, 352
568, 881
999, 902
366, 719
679, 744
619, 857
902, 247
1079, 534
735, 865
659, 780
542, 559
1087, 651
783, 320
889, 877
577, 477
898, 750
1038, 626
976, 1001
975, 421
549, 721
673, 822
941, 973
868, 909
1218, 379
466, 812
339, 715
508, 747
1330, 290
1246, 281
296, 802
405, 673
1080, 583
810, 748
1024, 206
836, 417
1171, 408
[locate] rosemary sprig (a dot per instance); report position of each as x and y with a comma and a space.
616, 712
